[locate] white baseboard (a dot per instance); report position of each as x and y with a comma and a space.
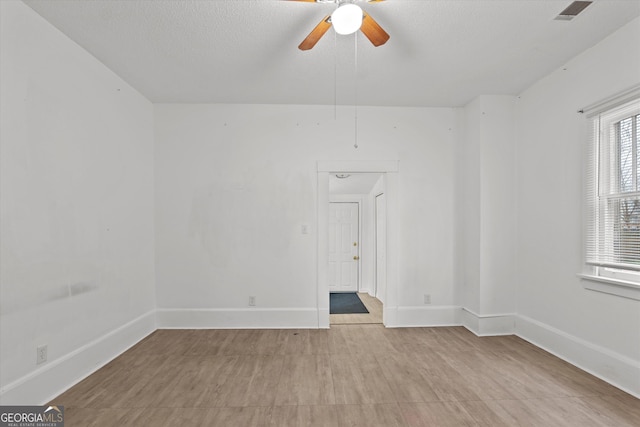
390, 316
484, 325
605, 364
53, 378
239, 318
410, 317
366, 289
323, 318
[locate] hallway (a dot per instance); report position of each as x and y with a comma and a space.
374, 306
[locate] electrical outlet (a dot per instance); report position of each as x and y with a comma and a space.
41, 354
252, 301
427, 299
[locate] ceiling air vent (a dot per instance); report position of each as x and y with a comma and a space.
573, 10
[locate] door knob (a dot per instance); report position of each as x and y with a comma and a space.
356, 257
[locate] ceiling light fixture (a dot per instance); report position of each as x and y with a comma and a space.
347, 19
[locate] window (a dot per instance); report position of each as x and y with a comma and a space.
613, 192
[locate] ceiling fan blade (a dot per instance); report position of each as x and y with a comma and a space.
316, 1
316, 34
373, 31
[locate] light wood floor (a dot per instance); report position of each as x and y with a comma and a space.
349, 375
374, 315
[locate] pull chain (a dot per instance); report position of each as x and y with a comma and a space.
335, 76
355, 85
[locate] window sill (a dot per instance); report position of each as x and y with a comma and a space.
607, 285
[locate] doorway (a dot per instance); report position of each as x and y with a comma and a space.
371, 283
352, 248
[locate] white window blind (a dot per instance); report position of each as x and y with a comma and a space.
612, 179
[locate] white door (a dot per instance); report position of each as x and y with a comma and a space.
344, 247
381, 247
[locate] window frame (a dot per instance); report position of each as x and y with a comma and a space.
600, 274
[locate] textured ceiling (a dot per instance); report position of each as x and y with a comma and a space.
441, 52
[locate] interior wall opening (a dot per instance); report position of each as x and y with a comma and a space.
387, 293
354, 243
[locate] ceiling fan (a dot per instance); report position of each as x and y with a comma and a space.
346, 19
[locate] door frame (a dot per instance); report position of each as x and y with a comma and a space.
376, 285
390, 170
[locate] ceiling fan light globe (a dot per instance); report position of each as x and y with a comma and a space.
347, 19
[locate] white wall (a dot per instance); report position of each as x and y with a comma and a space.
597, 331
486, 202
468, 206
234, 184
76, 208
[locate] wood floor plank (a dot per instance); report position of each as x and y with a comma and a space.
318, 341
140, 388
105, 417
251, 382
206, 343
487, 383
538, 412
447, 383
379, 415
560, 412
298, 416
349, 375
163, 342
580, 384
306, 380
504, 413
436, 414
358, 380
236, 342
235, 387
484, 415
245, 417
570, 412
264, 381
534, 381
225, 342
356, 339
406, 383
169, 417
222, 381
292, 341
188, 387
619, 410
338, 340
